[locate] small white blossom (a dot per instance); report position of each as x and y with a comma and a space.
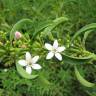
30, 63
54, 50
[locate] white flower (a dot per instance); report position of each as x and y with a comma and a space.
30, 63
54, 50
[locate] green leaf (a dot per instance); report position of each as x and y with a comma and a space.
76, 60
84, 29
18, 26
23, 73
55, 23
85, 36
82, 80
39, 31
50, 26
44, 80
59, 20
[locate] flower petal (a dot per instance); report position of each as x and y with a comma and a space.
28, 69
58, 56
48, 46
36, 66
35, 59
60, 49
55, 44
22, 62
28, 56
50, 55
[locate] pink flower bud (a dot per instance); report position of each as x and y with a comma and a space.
18, 35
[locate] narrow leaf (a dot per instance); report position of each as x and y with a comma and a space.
23, 73
82, 80
50, 26
76, 60
84, 29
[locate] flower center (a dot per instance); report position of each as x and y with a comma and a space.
54, 50
29, 63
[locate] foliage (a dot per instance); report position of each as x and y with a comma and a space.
48, 20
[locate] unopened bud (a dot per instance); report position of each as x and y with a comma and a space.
18, 35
